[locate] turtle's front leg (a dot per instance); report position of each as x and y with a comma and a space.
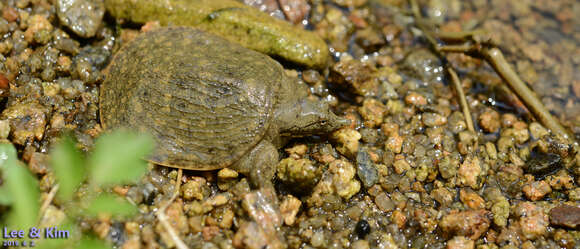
259, 164
261, 204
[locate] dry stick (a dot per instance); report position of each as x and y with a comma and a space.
47, 202
495, 58
456, 82
163, 218
462, 100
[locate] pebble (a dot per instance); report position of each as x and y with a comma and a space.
83, 17
27, 121
366, 170
394, 143
423, 65
251, 236
295, 10
227, 173
576, 88
289, 208
262, 207
4, 129
39, 30
472, 223
415, 99
9, 14
533, 222
347, 140
360, 244
362, 228
298, 174
193, 189
536, 190
489, 121
537, 130
471, 199
4, 86
469, 173
401, 166
297, 151
355, 74
384, 203
460, 242
343, 180
372, 111
433, 119
565, 216
542, 164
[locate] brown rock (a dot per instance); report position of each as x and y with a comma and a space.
289, 208
576, 88
356, 74
10, 14
27, 121
537, 190
252, 236
443, 196
350, 3
38, 163
460, 242
209, 232
566, 216
533, 222
472, 223
294, 10
471, 199
489, 121
469, 173
399, 218
415, 99
372, 112
36, 25
262, 207
4, 86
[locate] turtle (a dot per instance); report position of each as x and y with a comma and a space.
209, 103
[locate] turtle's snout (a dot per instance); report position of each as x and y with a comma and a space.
337, 122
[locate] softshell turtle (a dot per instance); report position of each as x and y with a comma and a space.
208, 103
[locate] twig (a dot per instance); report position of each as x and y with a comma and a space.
47, 201
495, 58
476, 47
462, 100
435, 48
163, 218
464, 48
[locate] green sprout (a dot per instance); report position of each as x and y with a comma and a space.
117, 158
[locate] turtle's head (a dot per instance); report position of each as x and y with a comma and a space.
308, 117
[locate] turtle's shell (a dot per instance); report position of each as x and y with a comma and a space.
205, 100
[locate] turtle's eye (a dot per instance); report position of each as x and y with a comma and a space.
322, 122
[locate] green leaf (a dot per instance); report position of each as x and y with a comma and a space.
111, 204
5, 197
93, 243
66, 242
69, 167
7, 151
21, 186
118, 158
52, 243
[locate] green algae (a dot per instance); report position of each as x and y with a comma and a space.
232, 20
